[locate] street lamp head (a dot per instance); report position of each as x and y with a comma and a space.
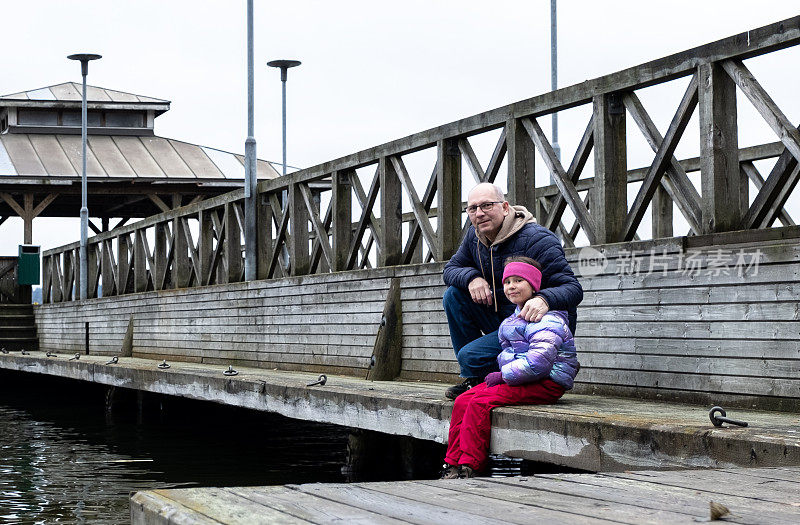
84, 59
284, 65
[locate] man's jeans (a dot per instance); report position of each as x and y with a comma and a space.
468, 322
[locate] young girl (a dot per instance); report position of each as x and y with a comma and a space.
537, 365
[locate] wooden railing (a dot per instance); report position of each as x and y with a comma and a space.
10, 290
363, 225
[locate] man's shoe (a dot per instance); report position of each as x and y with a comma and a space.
465, 472
449, 472
456, 390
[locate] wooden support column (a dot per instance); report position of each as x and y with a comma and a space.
233, 244
448, 198
139, 262
181, 265
73, 293
662, 214
107, 268
724, 189
342, 225
205, 248
391, 244
521, 166
299, 254
123, 264
263, 236
609, 194
92, 250
160, 256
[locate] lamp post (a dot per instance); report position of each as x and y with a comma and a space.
84, 59
250, 168
284, 65
554, 74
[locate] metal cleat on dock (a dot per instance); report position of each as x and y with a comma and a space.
75, 357
50, 354
164, 365
230, 371
114, 360
717, 416
4, 350
25, 352
321, 380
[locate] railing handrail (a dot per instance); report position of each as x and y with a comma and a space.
748, 44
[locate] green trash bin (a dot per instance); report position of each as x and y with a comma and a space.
28, 264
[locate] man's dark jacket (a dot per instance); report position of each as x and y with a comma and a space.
519, 235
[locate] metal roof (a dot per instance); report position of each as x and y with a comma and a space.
71, 91
118, 157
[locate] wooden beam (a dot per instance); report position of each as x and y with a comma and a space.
574, 200
471, 159
158, 202
521, 165
448, 200
675, 181
299, 255
659, 166
342, 202
724, 189
751, 172
316, 224
366, 212
391, 214
768, 109
610, 192
585, 146
779, 179
416, 206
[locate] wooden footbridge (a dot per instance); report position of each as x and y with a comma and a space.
349, 279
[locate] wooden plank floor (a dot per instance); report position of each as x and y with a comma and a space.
754, 496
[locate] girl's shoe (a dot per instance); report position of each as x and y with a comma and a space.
465, 472
449, 472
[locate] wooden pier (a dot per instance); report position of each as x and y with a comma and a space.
752, 496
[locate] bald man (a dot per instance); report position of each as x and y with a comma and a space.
474, 300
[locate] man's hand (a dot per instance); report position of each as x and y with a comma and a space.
480, 291
534, 309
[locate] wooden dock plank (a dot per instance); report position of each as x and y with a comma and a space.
516, 505
657, 497
398, 507
226, 507
309, 506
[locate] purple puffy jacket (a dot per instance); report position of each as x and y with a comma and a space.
534, 351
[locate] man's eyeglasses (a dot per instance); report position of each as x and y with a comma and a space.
484, 206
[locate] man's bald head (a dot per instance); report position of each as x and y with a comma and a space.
487, 188
489, 220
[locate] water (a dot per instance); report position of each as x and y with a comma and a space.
63, 460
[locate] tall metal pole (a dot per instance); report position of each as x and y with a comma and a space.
250, 177
554, 72
84, 59
284, 65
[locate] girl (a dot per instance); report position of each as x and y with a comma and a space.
537, 365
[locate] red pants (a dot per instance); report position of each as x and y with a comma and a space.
471, 422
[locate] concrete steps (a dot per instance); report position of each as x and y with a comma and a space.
18, 327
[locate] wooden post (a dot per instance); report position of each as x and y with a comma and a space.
205, 248
92, 256
181, 265
160, 256
299, 254
139, 262
609, 195
233, 244
391, 245
521, 166
106, 268
448, 198
263, 236
662, 214
342, 225
123, 264
724, 189
28, 218
387, 351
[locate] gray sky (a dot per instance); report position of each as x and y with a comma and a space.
372, 71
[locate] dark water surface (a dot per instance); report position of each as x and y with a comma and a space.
63, 459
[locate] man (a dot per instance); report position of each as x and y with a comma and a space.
474, 300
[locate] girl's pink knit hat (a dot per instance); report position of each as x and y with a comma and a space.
528, 272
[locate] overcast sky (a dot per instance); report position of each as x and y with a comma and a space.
372, 71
